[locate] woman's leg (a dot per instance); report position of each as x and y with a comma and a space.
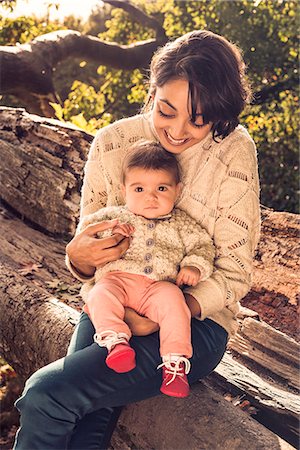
94, 430
59, 395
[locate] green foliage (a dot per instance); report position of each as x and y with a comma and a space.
24, 29
84, 108
265, 30
275, 131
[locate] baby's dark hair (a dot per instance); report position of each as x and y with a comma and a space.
150, 155
215, 71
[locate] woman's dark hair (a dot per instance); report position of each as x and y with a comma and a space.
150, 155
215, 71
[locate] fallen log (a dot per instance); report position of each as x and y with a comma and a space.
276, 407
272, 350
202, 421
41, 168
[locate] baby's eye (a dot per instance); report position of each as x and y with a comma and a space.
162, 188
138, 189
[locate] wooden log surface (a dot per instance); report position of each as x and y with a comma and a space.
202, 421
41, 168
277, 408
271, 349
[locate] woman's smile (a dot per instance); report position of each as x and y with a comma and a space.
174, 141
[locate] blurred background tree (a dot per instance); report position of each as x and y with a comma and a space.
265, 30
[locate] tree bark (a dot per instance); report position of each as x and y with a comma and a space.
276, 407
34, 327
41, 169
271, 349
202, 421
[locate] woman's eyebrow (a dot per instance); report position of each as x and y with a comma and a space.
167, 103
173, 107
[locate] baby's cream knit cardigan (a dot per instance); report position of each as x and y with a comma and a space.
160, 247
220, 191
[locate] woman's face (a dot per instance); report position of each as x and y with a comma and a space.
172, 117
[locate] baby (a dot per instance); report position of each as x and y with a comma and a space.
168, 249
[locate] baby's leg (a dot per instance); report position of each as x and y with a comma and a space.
166, 305
105, 305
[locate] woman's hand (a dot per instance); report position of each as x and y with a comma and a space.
193, 305
139, 325
86, 251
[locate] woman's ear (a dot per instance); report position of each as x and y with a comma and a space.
152, 95
179, 187
123, 190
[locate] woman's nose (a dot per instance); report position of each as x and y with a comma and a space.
178, 130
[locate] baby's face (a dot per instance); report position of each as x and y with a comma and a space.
150, 193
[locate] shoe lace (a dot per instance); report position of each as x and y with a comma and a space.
110, 339
180, 367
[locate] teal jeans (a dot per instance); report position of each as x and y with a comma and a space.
75, 402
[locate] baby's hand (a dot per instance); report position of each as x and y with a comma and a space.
126, 229
188, 275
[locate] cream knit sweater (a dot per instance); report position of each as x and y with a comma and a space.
160, 247
220, 191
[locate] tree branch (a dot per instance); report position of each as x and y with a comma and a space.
271, 92
139, 15
27, 69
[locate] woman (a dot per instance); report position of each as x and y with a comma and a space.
197, 91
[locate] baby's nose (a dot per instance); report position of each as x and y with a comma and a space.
152, 195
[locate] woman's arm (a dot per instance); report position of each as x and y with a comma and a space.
85, 252
236, 235
199, 248
193, 305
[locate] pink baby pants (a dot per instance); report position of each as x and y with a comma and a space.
161, 301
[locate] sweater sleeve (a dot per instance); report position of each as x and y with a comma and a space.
200, 251
235, 236
102, 214
93, 194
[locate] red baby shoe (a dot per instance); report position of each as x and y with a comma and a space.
121, 358
175, 383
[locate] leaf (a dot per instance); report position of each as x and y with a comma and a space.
29, 268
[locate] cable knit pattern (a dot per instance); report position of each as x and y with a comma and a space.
159, 246
221, 192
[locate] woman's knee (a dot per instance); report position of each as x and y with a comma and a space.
44, 394
35, 392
